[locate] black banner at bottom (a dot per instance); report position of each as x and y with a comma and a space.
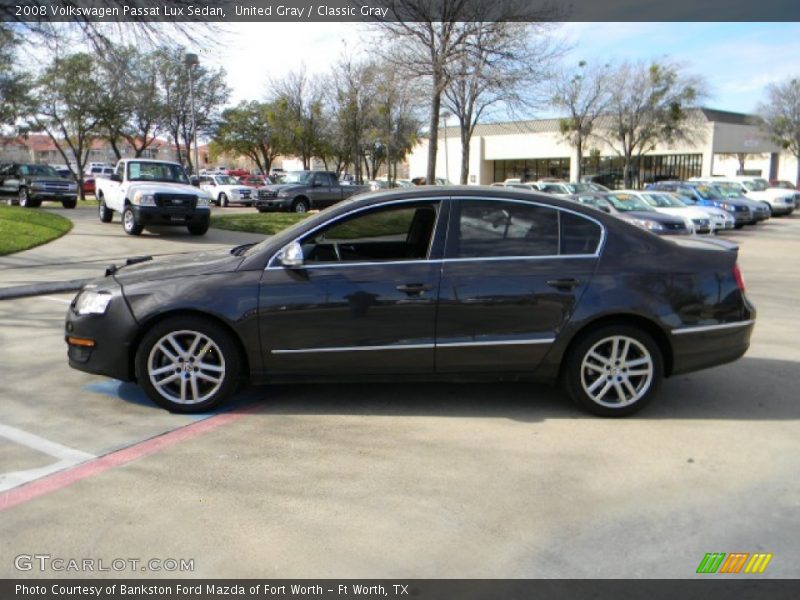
729, 588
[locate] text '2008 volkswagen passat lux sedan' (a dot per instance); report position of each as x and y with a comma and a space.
447, 283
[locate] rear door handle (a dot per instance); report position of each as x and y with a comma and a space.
564, 284
414, 289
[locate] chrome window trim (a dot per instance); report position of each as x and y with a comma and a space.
439, 200
598, 249
703, 328
528, 342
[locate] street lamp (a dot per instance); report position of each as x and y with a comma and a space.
446, 115
191, 61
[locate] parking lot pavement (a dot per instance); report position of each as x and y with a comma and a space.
91, 246
407, 480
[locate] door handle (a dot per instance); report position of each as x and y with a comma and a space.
414, 289
564, 284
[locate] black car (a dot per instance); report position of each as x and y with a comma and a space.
453, 283
30, 184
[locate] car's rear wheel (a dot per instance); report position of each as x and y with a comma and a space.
129, 223
105, 213
614, 371
69, 203
187, 364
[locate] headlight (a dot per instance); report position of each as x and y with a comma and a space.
143, 199
72, 187
283, 194
648, 224
202, 202
728, 207
35, 185
92, 303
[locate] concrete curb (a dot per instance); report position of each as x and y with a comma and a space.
41, 289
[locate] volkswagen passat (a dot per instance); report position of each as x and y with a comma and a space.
449, 283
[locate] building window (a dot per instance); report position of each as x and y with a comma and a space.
532, 169
608, 170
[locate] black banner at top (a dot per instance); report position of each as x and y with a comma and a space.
397, 10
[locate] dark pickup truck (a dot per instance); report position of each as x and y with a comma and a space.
29, 184
301, 191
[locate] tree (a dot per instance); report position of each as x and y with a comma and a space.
13, 86
248, 130
431, 36
298, 104
648, 104
65, 109
130, 107
584, 95
500, 58
210, 93
781, 114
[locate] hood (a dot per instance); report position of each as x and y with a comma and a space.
658, 217
181, 265
276, 187
159, 187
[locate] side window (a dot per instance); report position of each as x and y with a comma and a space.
121, 171
399, 232
579, 235
493, 228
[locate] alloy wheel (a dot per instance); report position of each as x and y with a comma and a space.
617, 371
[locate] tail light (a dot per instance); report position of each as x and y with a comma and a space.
737, 275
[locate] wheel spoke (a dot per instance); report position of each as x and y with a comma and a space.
174, 343
208, 367
599, 358
193, 346
638, 361
625, 349
614, 350
595, 384
169, 354
604, 391
183, 389
209, 378
629, 387
638, 372
195, 390
162, 370
166, 380
594, 367
620, 392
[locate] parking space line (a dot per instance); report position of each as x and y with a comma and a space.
98, 465
53, 299
68, 457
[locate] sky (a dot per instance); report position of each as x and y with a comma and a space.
737, 59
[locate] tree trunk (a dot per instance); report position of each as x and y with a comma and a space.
433, 141
797, 175
579, 158
626, 173
465, 139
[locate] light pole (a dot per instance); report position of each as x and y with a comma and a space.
446, 115
191, 61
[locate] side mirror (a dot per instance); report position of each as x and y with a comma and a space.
195, 181
292, 255
115, 177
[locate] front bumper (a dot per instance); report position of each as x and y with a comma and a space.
156, 215
56, 197
113, 335
273, 204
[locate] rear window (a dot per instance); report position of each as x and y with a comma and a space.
579, 235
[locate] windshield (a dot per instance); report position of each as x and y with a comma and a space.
759, 185
303, 177
153, 171
38, 171
595, 201
628, 202
730, 190
709, 192
579, 188
226, 180
663, 201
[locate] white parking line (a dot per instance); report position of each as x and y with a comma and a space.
52, 299
67, 457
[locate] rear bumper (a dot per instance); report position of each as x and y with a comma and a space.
696, 348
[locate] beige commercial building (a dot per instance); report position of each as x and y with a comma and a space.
531, 150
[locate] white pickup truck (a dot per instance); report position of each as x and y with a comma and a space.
152, 192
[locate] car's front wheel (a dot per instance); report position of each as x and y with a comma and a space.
129, 223
300, 206
187, 364
614, 371
223, 200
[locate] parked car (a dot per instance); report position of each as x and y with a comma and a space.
708, 195
778, 201
634, 212
783, 183
301, 191
30, 184
580, 187
254, 181
524, 286
152, 192
720, 219
556, 188
89, 186
225, 190
238, 172
695, 217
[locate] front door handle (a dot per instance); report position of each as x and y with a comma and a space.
564, 284
414, 289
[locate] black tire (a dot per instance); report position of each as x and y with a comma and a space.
614, 378
738, 225
198, 228
69, 203
12, 201
222, 362
25, 200
129, 223
222, 200
300, 206
106, 214
261, 210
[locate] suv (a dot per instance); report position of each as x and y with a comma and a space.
29, 185
152, 192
